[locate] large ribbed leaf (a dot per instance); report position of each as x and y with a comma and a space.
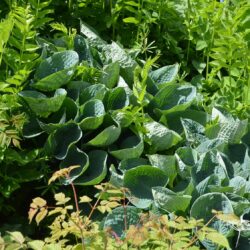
116, 219
132, 163
96, 91
97, 169
57, 62
169, 200
108, 136
233, 131
42, 105
59, 142
91, 115
141, 179
75, 157
194, 131
203, 206
81, 46
202, 209
131, 147
116, 99
173, 97
186, 159
54, 81
161, 138
110, 75
167, 163
166, 74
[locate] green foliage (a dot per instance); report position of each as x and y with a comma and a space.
173, 135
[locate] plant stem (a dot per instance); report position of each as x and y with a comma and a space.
78, 211
195, 238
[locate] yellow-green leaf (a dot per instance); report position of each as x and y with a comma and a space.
41, 215
85, 199
218, 238
61, 199
17, 236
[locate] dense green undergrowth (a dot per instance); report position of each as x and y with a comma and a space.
157, 105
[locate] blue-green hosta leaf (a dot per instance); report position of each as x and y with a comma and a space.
107, 137
96, 91
173, 98
114, 53
81, 46
195, 132
203, 187
239, 185
167, 163
75, 157
57, 62
59, 142
186, 158
97, 169
132, 163
91, 115
131, 147
161, 138
122, 117
32, 128
74, 88
116, 99
166, 74
209, 145
173, 120
222, 115
207, 165
66, 113
240, 204
110, 75
93, 38
169, 200
54, 81
203, 206
116, 219
233, 131
141, 179
115, 178
42, 105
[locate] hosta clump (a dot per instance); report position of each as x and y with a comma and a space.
95, 105
83, 104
